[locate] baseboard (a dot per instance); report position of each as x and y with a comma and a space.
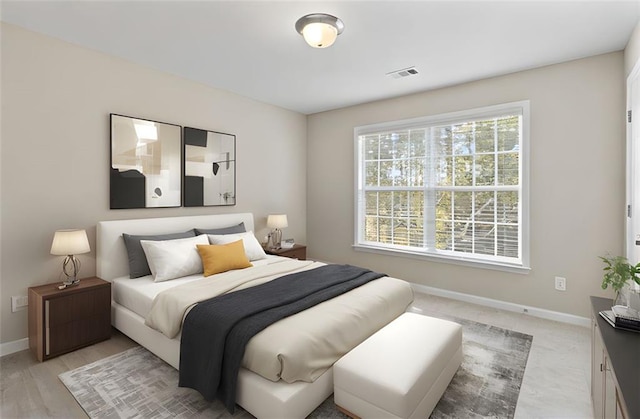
15, 346
504, 305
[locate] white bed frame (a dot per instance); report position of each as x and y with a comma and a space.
260, 397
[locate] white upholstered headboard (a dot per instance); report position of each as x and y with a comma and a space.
112, 261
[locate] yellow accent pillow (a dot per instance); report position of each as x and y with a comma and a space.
222, 258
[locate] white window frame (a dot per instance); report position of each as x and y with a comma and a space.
520, 265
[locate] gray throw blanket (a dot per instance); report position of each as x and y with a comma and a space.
216, 331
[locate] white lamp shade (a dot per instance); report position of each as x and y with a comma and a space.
319, 34
277, 221
70, 242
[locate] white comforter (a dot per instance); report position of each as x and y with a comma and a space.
170, 306
300, 347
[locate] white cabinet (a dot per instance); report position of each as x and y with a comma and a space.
604, 393
597, 366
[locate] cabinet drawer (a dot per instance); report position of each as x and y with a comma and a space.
72, 307
76, 320
68, 336
300, 254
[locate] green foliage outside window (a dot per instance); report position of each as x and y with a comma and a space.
466, 176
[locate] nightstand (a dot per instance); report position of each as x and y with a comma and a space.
62, 321
298, 251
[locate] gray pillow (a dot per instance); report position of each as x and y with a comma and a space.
138, 265
240, 228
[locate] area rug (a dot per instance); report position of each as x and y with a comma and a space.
137, 384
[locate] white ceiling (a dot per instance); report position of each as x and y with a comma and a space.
251, 47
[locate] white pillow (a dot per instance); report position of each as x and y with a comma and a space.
170, 259
252, 248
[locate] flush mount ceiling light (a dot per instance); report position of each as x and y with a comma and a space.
320, 30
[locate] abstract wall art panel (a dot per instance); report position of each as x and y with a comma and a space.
209, 168
146, 163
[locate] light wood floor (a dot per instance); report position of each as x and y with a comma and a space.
32, 389
555, 385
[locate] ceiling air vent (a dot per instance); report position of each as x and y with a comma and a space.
405, 72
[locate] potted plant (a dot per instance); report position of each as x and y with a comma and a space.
618, 272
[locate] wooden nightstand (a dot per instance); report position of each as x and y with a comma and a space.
298, 251
62, 321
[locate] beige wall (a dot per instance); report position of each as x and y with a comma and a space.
54, 154
576, 185
56, 100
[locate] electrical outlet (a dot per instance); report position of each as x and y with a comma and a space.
561, 283
19, 302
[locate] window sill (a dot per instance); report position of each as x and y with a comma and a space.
505, 267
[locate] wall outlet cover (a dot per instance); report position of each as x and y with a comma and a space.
19, 302
561, 283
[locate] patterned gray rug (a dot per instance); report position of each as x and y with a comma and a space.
137, 384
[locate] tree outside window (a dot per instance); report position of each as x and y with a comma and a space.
442, 186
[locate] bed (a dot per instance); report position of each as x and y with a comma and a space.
272, 397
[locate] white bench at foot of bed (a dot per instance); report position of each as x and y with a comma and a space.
401, 371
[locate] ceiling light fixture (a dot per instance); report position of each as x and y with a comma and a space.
320, 30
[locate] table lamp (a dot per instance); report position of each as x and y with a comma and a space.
70, 243
276, 222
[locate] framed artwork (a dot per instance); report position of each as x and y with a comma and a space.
146, 163
209, 168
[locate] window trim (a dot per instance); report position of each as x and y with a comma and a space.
472, 260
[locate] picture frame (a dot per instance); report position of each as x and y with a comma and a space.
209, 168
145, 163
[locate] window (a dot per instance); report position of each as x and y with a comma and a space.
450, 186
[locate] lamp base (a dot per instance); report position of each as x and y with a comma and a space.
276, 238
70, 267
69, 283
